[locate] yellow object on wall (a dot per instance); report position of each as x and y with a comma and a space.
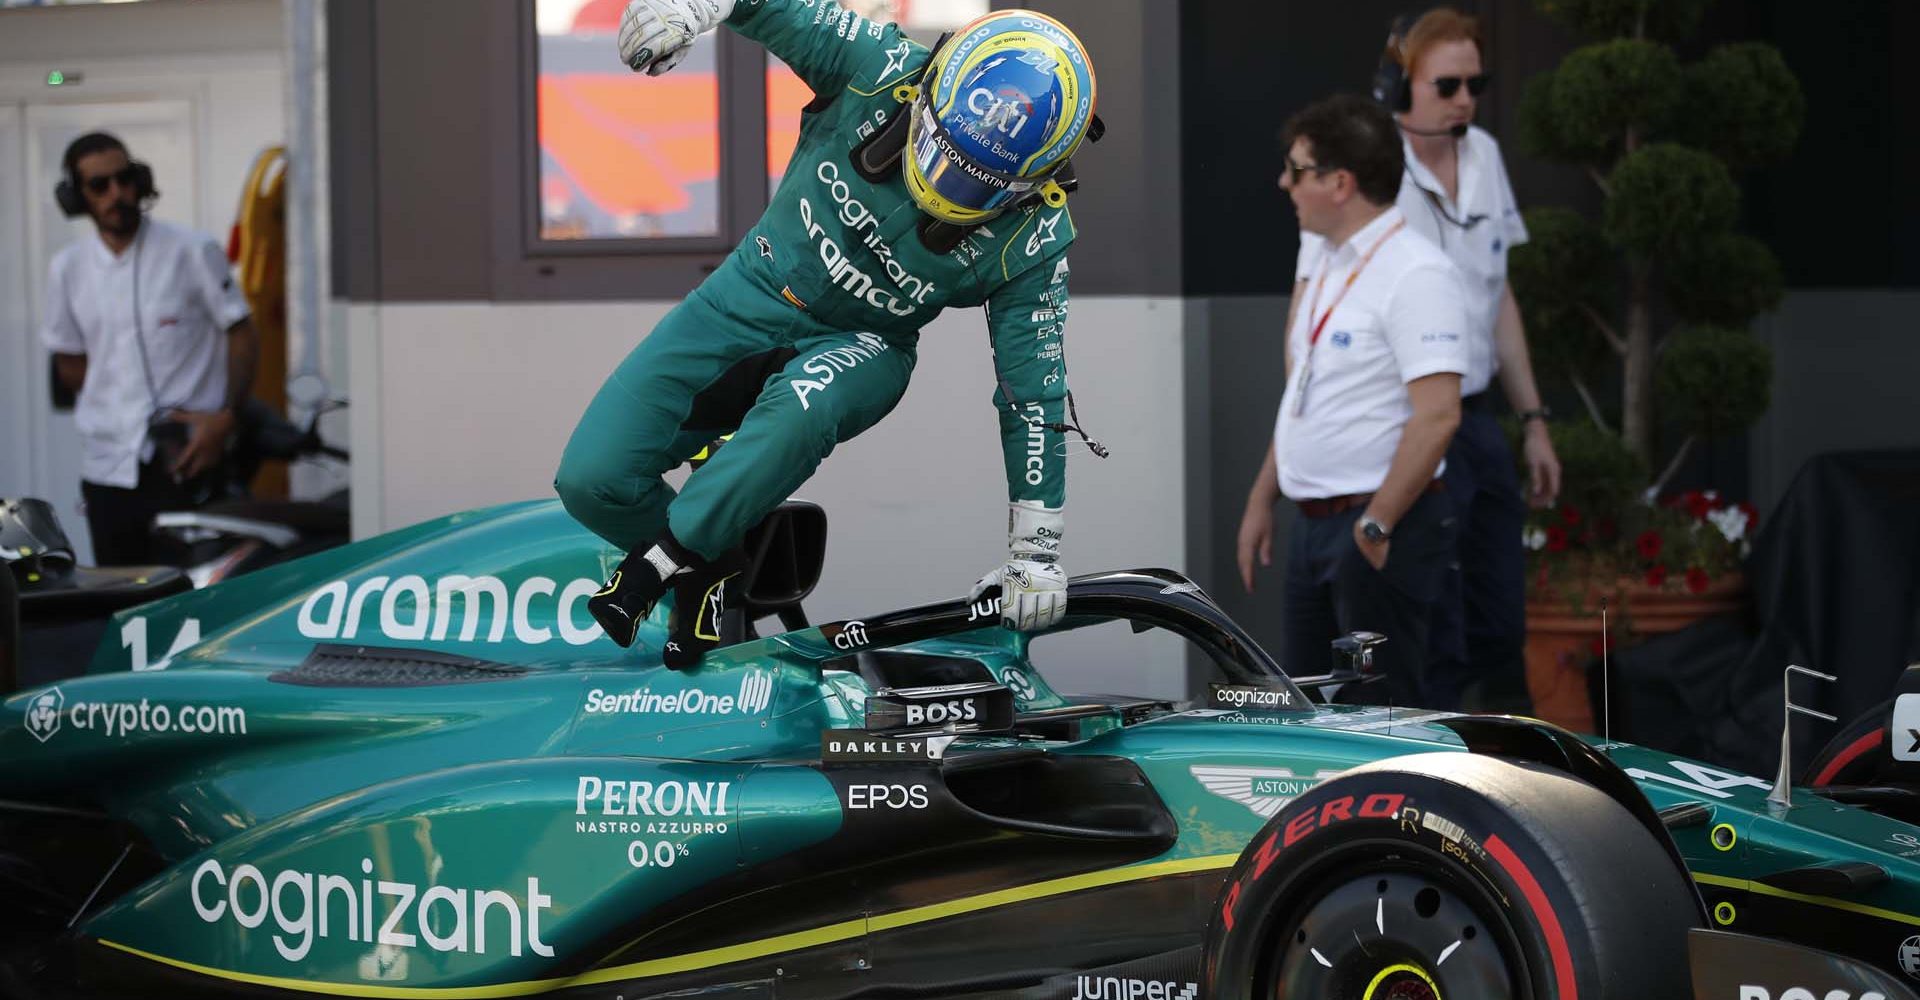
258, 248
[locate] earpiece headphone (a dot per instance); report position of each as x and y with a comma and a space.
1391, 85
68, 196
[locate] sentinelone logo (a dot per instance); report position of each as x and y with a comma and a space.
48, 711
755, 694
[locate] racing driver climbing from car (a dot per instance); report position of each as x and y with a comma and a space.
923, 179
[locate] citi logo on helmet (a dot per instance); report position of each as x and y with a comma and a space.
1005, 111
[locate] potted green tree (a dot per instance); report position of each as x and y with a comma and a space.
1644, 314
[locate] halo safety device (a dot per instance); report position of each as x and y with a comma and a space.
1001, 109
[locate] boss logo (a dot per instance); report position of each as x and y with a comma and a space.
886, 796
940, 713
1801, 993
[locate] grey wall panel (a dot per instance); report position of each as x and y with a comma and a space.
432, 141
1128, 207
40, 35
1843, 379
352, 154
1245, 371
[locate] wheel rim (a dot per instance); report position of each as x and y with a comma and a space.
1394, 932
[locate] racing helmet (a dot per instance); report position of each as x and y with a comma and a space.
1003, 105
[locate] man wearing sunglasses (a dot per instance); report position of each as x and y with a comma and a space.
1455, 192
149, 329
923, 180
1374, 359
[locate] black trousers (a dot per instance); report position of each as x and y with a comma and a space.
120, 521
1333, 590
1480, 628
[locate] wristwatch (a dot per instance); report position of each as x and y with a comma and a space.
1374, 531
1543, 414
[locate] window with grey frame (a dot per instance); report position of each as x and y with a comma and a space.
620, 163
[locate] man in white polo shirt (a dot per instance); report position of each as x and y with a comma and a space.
1456, 193
1375, 355
147, 325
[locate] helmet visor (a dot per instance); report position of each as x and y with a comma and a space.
954, 177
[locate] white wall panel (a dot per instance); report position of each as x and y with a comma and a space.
472, 403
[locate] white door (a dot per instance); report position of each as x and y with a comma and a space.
161, 133
16, 333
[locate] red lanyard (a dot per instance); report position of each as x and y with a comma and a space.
1319, 286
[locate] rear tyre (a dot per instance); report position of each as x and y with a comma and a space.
1856, 754
1451, 876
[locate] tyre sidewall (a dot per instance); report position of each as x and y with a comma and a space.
1421, 822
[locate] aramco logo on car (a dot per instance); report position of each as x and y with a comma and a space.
412, 609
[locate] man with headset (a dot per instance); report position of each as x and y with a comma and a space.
148, 327
1456, 193
923, 179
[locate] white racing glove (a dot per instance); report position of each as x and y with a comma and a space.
656, 34
1033, 587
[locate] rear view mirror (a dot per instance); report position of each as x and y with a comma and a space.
785, 553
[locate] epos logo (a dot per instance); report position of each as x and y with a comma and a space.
886, 796
939, 713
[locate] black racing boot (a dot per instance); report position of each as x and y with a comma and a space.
639, 583
699, 599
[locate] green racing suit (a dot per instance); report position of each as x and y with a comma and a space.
808, 333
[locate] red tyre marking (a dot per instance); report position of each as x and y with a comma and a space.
1848, 756
1543, 912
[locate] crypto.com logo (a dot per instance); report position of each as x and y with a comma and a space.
43, 713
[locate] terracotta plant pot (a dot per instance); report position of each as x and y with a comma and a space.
1561, 639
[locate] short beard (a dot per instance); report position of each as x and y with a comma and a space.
121, 219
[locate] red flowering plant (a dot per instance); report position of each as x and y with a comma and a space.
1607, 531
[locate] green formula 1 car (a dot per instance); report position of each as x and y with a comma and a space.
411, 767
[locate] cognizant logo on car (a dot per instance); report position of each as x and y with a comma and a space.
409, 608
304, 906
